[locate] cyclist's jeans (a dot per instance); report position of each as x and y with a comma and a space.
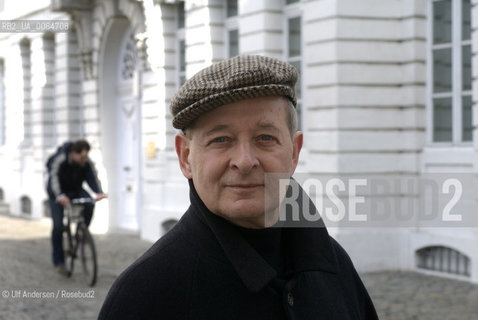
57, 232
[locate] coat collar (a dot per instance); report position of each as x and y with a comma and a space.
310, 249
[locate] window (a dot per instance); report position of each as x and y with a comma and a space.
293, 45
233, 43
231, 10
180, 20
449, 85
2, 105
49, 132
25, 51
181, 44
182, 62
232, 29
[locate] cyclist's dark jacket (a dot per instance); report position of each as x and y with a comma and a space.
66, 177
205, 269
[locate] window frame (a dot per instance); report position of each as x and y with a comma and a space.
457, 92
26, 60
2, 103
180, 37
231, 24
290, 11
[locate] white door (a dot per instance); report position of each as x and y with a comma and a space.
128, 136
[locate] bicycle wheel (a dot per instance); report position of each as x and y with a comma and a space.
68, 250
87, 254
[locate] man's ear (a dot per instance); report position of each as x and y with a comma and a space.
297, 142
182, 149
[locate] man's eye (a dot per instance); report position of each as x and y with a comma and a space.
219, 140
266, 137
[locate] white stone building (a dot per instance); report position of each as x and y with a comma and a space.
386, 87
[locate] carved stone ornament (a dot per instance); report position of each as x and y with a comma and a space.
128, 109
129, 59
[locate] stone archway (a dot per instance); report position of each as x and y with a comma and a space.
120, 111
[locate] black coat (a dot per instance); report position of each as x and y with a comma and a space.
203, 269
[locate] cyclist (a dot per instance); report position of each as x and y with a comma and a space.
68, 168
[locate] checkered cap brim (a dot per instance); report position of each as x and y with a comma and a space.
231, 80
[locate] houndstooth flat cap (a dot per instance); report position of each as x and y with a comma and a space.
231, 80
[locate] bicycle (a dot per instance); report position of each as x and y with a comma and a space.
81, 240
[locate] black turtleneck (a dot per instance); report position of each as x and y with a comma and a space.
268, 243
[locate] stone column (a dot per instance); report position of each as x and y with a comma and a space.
260, 27
43, 93
204, 26
68, 87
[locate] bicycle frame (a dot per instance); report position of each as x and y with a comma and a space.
81, 239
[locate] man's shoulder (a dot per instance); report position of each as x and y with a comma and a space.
60, 152
63, 149
340, 252
355, 291
171, 253
345, 268
155, 280
345, 263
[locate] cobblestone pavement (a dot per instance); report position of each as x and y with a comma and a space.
25, 268
414, 296
25, 265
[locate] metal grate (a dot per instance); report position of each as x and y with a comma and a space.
168, 225
26, 205
443, 259
46, 208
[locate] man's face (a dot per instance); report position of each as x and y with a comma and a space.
229, 150
79, 158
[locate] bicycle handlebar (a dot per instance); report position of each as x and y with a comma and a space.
83, 200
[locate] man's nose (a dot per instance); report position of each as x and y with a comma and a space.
244, 158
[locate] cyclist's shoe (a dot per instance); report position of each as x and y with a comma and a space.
62, 270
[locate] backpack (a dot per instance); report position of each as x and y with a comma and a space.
61, 149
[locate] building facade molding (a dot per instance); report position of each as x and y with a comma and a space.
91, 22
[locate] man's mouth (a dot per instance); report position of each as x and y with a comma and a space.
245, 186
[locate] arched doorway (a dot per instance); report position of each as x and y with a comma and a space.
121, 123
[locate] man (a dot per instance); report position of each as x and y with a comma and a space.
67, 169
223, 260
